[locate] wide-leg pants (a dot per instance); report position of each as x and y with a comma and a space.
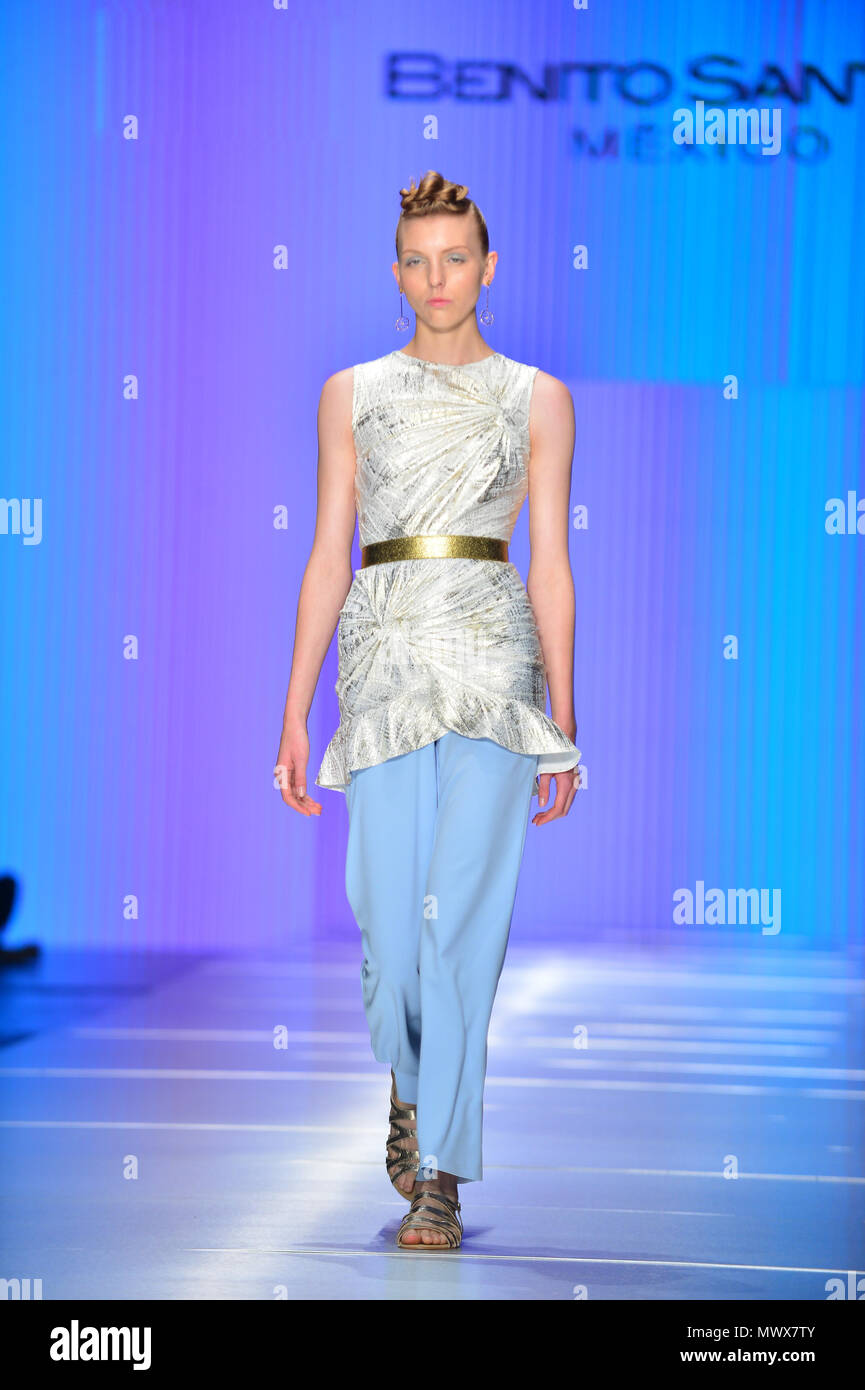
435, 843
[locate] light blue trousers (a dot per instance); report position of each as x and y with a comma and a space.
435, 843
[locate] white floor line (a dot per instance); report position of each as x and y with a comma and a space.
464, 1253
586, 977
598, 1041
356, 1131
582, 1060
698, 1034
193, 1125
726, 1013
355, 1078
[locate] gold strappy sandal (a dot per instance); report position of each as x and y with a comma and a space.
437, 1211
403, 1119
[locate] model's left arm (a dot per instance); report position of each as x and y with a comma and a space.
550, 583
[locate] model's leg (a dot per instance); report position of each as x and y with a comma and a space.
391, 810
484, 799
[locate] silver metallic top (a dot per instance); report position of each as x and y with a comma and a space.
427, 645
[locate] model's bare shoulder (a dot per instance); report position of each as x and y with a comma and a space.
338, 386
335, 404
552, 406
550, 391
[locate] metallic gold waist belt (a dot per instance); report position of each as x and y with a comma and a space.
434, 548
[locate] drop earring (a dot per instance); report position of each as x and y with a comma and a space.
487, 316
402, 322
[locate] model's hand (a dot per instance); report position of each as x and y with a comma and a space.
291, 761
567, 785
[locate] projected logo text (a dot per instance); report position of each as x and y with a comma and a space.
431, 77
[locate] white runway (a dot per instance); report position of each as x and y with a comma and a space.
704, 1143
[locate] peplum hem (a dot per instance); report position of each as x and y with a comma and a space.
405, 723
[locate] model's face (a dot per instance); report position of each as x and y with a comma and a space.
441, 267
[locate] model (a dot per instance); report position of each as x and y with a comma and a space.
445, 657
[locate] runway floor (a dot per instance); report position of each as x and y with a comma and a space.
705, 1143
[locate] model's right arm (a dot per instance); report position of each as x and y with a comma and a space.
326, 582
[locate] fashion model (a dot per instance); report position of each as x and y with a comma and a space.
445, 657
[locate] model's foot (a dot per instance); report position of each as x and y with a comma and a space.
432, 1235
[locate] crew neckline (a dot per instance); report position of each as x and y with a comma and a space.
427, 362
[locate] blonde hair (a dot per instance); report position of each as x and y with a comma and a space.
435, 193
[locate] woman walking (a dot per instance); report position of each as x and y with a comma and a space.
445, 658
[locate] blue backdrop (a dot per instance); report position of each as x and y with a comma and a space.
201, 205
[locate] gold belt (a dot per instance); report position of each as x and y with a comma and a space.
434, 548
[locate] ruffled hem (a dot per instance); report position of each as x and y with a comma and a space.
407, 723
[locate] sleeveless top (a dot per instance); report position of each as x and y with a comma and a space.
427, 645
